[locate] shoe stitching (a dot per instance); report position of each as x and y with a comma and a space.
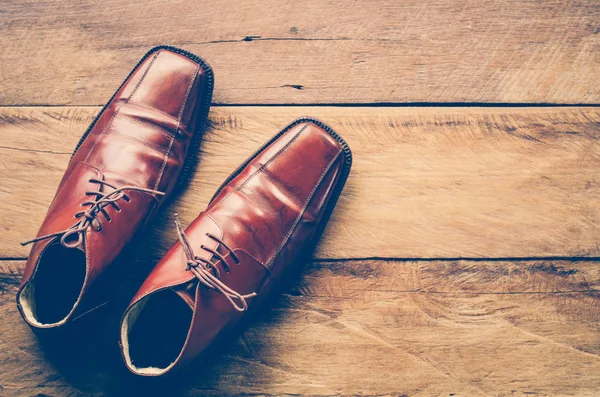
121, 105
237, 189
290, 195
152, 195
307, 202
167, 132
168, 152
216, 223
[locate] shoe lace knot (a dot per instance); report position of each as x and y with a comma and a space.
207, 271
89, 217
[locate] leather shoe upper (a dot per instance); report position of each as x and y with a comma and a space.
255, 231
125, 166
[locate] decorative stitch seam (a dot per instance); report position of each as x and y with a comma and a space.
100, 172
165, 131
168, 152
216, 223
276, 182
266, 164
312, 193
119, 108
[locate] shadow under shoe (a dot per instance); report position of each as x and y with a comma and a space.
85, 350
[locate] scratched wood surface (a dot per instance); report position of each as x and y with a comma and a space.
442, 328
513, 191
315, 51
426, 183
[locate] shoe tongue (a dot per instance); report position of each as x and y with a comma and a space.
187, 292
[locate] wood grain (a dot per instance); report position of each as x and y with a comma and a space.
334, 51
362, 327
426, 183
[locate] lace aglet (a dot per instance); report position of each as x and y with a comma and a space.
24, 243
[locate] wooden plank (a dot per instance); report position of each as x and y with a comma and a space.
363, 327
426, 182
334, 51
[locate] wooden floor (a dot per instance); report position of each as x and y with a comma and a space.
464, 255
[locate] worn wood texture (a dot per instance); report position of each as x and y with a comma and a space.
334, 51
426, 182
438, 328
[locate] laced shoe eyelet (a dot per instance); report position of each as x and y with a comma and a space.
87, 219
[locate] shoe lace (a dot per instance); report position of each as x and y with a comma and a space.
208, 273
89, 216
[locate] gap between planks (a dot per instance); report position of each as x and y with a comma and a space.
67, 52
376, 258
355, 105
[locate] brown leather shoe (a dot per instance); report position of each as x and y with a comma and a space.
257, 229
125, 165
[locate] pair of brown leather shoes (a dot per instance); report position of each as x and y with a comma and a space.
257, 228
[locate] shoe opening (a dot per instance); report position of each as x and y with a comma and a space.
154, 331
53, 292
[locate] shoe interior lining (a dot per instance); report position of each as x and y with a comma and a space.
154, 331
53, 292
